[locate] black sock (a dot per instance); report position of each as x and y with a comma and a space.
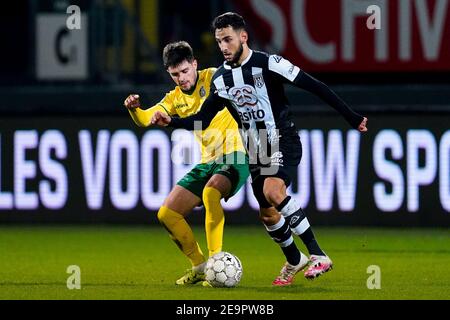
281, 234
292, 254
311, 243
299, 224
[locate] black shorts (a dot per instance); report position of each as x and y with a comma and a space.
284, 163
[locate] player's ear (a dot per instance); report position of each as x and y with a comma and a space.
194, 63
244, 36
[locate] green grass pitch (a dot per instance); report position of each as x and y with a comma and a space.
123, 262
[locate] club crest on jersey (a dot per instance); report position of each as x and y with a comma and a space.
202, 92
259, 80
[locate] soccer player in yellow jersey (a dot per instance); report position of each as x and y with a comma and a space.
223, 169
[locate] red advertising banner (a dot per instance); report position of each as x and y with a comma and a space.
353, 35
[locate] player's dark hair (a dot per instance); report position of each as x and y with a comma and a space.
228, 19
176, 52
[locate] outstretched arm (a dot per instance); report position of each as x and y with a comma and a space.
141, 117
301, 79
210, 108
307, 82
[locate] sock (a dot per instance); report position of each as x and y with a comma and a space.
181, 234
281, 234
299, 224
214, 219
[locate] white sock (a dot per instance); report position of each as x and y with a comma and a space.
288, 210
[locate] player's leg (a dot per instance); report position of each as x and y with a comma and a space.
278, 229
177, 205
289, 154
187, 194
228, 177
218, 186
275, 192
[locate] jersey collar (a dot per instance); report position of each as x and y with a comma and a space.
228, 67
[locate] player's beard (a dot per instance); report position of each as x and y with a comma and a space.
237, 55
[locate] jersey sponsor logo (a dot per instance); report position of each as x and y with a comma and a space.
252, 115
202, 92
274, 138
277, 59
277, 154
244, 96
181, 105
277, 158
259, 80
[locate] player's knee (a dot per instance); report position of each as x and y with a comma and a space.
179, 205
213, 183
221, 183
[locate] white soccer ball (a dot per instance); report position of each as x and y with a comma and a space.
223, 270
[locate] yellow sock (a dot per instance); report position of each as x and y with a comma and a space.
214, 219
181, 234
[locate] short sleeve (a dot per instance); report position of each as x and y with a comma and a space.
283, 67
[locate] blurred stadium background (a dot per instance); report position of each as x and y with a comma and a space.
70, 154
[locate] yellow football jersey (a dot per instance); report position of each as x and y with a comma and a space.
222, 135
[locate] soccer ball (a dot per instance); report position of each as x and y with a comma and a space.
223, 270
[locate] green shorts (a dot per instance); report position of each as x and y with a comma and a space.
234, 166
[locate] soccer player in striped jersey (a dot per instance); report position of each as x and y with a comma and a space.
250, 85
224, 164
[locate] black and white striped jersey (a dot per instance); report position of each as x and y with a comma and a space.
255, 91
254, 94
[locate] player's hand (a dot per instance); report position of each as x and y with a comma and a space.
161, 119
132, 102
363, 126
